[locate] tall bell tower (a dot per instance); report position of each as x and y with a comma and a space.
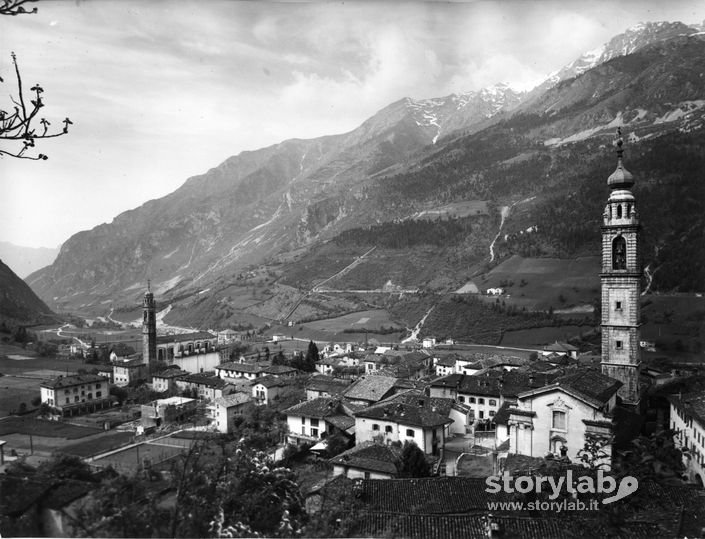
149, 327
621, 283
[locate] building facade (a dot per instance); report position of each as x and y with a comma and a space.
72, 395
621, 284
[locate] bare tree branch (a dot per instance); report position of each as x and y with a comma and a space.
15, 7
20, 125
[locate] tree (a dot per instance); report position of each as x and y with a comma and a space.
15, 7
311, 358
413, 461
120, 393
20, 125
219, 490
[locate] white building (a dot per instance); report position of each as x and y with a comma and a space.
388, 422
560, 417
225, 409
314, 420
73, 395
688, 420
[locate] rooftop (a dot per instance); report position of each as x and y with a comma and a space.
241, 367
370, 388
319, 408
184, 337
70, 381
372, 457
421, 414
234, 399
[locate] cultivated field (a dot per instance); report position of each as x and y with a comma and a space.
455, 209
372, 319
540, 283
540, 336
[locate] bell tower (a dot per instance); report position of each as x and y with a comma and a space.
149, 327
621, 283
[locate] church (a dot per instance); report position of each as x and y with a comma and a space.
559, 418
193, 352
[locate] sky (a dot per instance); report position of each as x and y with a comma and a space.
162, 90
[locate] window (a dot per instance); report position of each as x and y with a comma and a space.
617, 305
388, 429
314, 432
90, 395
97, 386
303, 420
491, 413
314, 422
410, 433
559, 420
493, 402
375, 426
480, 401
618, 345
67, 400
482, 414
471, 400
461, 399
98, 394
619, 256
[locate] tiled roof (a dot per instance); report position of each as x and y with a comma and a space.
278, 369
170, 373
240, 367
446, 361
370, 388
184, 337
590, 383
417, 398
327, 384
205, 379
274, 381
372, 457
440, 495
234, 399
559, 346
341, 421
495, 383
70, 381
417, 415
319, 408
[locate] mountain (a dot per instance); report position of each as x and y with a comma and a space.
18, 303
633, 39
463, 157
26, 260
252, 206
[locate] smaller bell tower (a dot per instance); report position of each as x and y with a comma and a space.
149, 327
621, 283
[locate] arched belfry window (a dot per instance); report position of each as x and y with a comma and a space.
619, 211
619, 253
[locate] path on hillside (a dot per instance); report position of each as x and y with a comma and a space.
415, 332
504, 212
316, 288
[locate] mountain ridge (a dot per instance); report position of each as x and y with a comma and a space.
286, 197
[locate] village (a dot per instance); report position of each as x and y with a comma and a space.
352, 409
219, 431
